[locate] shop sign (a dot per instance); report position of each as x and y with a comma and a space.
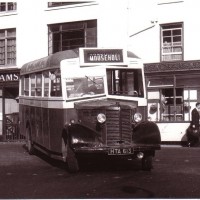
9, 77
103, 56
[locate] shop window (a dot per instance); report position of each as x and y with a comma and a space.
172, 42
172, 104
72, 35
56, 90
8, 47
8, 6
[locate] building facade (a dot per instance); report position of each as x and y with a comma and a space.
168, 44
30, 30
164, 33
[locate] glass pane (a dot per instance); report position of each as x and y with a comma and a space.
85, 86
22, 85
126, 83
56, 89
11, 51
46, 83
26, 90
38, 85
167, 33
167, 41
177, 40
33, 81
2, 52
12, 6
11, 32
2, 33
176, 32
2, 7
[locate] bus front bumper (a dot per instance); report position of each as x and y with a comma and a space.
116, 150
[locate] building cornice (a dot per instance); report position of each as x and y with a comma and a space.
180, 66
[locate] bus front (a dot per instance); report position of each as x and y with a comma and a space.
111, 114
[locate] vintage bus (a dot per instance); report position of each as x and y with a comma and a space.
87, 102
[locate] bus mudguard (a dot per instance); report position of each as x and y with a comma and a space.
80, 135
146, 132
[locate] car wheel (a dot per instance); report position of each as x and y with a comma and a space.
69, 157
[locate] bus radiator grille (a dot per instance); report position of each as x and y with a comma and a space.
118, 126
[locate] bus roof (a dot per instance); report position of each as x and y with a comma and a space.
53, 61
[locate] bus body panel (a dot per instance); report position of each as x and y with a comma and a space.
74, 105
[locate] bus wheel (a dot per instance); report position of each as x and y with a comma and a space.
29, 142
69, 157
147, 163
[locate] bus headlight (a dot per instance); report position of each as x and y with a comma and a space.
137, 117
101, 118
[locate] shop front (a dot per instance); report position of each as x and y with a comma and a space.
9, 109
173, 89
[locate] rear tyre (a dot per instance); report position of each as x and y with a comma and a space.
29, 142
147, 163
69, 157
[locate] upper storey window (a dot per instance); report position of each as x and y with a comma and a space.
172, 42
8, 46
72, 35
8, 6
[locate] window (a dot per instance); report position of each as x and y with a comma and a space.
46, 83
26, 86
38, 88
22, 85
72, 35
33, 81
8, 6
172, 104
125, 82
172, 42
56, 90
84, 86
8, 47
173, 99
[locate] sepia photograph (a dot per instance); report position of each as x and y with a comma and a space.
99, 99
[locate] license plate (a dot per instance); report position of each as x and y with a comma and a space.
119, 151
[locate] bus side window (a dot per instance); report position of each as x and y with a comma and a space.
26, 86
46, 83
33, 82
22, 85
56, 90
38, 89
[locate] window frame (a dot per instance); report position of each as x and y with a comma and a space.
8, 54
171, 46
61, 30
8, 6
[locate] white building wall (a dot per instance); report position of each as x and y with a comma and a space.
33, 20
134, 24
147, 43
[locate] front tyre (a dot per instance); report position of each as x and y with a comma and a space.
69, 157
147, 163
